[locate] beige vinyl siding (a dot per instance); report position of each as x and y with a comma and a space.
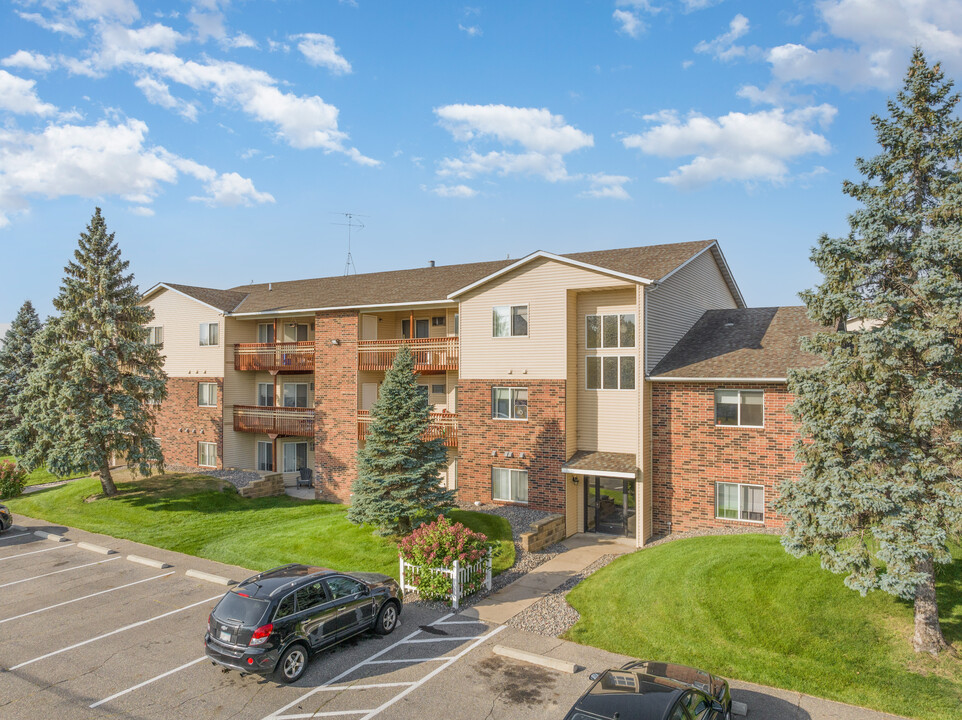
237, 383
675, 306
181, 316
571, 377
607, 420
574, 513
240, 448
542, 285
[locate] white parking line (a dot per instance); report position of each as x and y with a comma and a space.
55, 572
11, 537
442, 639
85, 597
114, 632
147, 682
335, 713
338, 688
34, 552
407, 660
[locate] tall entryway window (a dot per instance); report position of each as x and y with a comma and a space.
295, 456
610, 505
265, 455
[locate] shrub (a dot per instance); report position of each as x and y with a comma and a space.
438, 545
12, 479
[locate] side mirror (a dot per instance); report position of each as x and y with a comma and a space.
717, 707
594, 676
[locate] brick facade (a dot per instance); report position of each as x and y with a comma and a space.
335, 397
540, 438
690, 454
181, 424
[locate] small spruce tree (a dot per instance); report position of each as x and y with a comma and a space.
881, 420
86, 401
398, 475
16, 362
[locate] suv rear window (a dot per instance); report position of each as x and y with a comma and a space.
237, 607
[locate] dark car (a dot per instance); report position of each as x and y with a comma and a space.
654, 691
272, 623
6, 519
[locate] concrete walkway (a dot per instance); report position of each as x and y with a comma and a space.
583, 549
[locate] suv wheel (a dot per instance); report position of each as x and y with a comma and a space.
386, 619
292, 664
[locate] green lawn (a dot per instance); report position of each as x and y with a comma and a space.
41, 475
195, 514
742, 607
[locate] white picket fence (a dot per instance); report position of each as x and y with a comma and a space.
460, 576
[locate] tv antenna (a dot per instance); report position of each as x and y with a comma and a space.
353, 223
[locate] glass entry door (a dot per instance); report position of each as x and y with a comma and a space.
610, 505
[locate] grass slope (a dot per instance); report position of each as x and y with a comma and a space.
742, 607
41, 475
198, 515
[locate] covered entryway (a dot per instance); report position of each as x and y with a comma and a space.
606, 492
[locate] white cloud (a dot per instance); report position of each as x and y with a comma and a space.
602, 185
847, 69
98, 160
57, 26
471, 30
277, 46
533, 128
28, 61
64, 14
629, 23
17, 95
550, 167
454, 191
693, 5
723, 47
240, 40
738, 146
321, 50
158, 93
142, 211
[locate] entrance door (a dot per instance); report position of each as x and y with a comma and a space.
610, 503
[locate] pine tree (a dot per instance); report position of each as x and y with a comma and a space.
398, 476
86, 400
880, 493
16, 362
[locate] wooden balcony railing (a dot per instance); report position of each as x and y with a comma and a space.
430, 354
444, 425
275, 357
298, 422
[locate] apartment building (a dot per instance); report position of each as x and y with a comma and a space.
630, 390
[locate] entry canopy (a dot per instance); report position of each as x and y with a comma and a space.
605, 464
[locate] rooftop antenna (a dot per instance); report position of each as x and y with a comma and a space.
352, 223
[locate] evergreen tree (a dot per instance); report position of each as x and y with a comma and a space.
86, 400
398, 474
880, 492
16, 361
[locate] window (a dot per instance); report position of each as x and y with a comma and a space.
509, 403
295, 456
207, 394
744, 408
438, 321
509, 320
734, 501
207, 454
311, 596
457, 323
342, 587
295, 395
265, 455
265, 394
509, 485
613, 372
285, 607
439, 389
698, 706
421, 328
295, 332
155, 335
610, 331
265, 333
208, 333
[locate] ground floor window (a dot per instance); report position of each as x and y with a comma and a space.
734, 501
509, 485
265, 455
295, 456
207, 454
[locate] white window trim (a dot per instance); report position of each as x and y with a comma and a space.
259, 326
511, 324
738, 424
295, 443
511, 390
151, 335
510, 470
284, 393
270, 394
198, 454
257, 454
602, 358
209, 343
199, 404
739, 495
601, 330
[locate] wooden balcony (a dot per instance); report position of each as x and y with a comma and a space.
297, 422
444, 425
431, 355
275, 357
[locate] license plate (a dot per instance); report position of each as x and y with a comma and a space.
225, 635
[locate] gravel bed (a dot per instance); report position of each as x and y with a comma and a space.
727, 530
237, 478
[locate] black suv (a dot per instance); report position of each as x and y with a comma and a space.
273, 622
6, 519
654, 691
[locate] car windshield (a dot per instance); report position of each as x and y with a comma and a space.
240, 608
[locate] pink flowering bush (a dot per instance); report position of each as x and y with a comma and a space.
438, 545
12, 479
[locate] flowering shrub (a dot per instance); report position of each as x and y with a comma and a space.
12, 479
438, 545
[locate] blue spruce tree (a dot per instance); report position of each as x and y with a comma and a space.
16, 362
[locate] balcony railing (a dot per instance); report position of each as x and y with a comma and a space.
298, 422
275, 357
444, 425
430, 354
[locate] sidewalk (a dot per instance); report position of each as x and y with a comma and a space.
583, 549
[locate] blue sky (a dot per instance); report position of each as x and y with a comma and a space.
222, 138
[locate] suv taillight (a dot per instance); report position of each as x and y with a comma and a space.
261, 634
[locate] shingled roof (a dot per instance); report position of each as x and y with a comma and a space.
224, 300
743, 343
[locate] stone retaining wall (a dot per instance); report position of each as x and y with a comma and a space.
544, 532
267, 486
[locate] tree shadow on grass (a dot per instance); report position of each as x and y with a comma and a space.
948, 580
